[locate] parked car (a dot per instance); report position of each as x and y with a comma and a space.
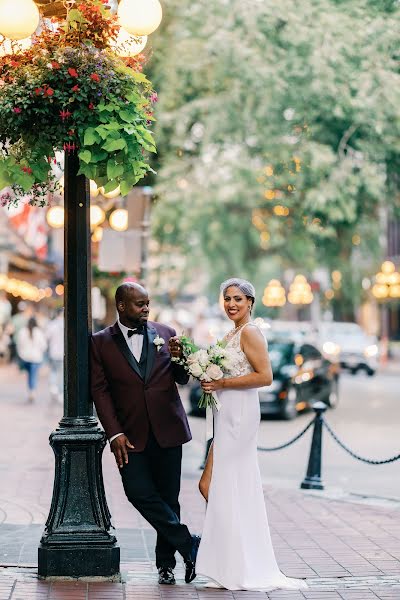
302, 375
351, 346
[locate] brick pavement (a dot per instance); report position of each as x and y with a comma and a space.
346, 551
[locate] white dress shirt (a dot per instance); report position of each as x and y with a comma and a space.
135, 345
135, 342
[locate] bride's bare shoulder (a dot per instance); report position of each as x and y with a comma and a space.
252, 333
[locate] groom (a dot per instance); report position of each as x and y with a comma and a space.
133, 383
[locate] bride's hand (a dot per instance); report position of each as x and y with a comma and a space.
212, 386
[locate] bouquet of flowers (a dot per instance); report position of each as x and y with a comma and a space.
206, 365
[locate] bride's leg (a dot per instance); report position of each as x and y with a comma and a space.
205, 480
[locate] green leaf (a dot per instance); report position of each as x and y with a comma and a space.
113, 145
90, 171
125, 187
111, 107
114, 126
85, 155
103, 133
4, 177
134, 98
125, 115
99, 155
75, 16
139, 76
110, 186
114, 170
90, 137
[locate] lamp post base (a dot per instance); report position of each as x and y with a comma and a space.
79, 561
76, 541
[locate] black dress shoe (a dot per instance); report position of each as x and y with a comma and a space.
190, 562
166, 576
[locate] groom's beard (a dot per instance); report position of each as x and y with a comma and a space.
133, 323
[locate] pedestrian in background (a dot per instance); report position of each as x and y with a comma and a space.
55, 338
5, 340
31, 346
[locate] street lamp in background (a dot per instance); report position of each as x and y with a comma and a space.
386, 288
274, 294
300, 293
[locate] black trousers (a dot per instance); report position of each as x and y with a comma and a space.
151, 481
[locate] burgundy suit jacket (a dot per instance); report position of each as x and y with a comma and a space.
125, 402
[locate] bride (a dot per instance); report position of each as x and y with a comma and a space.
236, 551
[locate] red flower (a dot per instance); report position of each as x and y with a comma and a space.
14, 63
70, 147
49, 91
73, 72
91, 106
27, 170
65, 114
71, 132
55, 64
38, 91
95, 77
17, 110
75, 88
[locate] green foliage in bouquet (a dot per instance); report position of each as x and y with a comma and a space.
70, 91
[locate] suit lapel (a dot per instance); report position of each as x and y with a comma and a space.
151, 350
119, 339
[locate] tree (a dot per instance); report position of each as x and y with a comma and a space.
278, 132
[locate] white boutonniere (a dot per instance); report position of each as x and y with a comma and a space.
158, 342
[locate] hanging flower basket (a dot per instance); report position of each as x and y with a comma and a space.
70, 91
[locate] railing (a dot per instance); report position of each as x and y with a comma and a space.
313, 479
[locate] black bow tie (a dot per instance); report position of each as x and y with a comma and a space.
138, 331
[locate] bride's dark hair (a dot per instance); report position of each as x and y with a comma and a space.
244, 286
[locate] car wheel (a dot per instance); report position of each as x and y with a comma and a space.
353, 371
289, 410
333, 397
370, 372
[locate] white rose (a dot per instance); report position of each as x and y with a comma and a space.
201, 356
195, 370
214, 372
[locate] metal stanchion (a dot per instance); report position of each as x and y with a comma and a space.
312, 480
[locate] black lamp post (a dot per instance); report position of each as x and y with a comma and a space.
76, 541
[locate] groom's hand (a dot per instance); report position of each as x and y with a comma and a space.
119, 449
175, 347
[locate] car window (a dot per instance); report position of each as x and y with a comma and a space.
310, 352
280, 353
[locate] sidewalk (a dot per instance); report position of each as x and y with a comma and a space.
346, 551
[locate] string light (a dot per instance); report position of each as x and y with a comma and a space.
23, 289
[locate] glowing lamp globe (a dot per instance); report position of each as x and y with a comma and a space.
119, 219
94, 190
18, 18
129, 45
139, 17
97, 215
55, 217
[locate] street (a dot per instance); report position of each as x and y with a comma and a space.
366, 419
345, 550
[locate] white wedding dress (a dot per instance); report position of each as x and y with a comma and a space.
236, 551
